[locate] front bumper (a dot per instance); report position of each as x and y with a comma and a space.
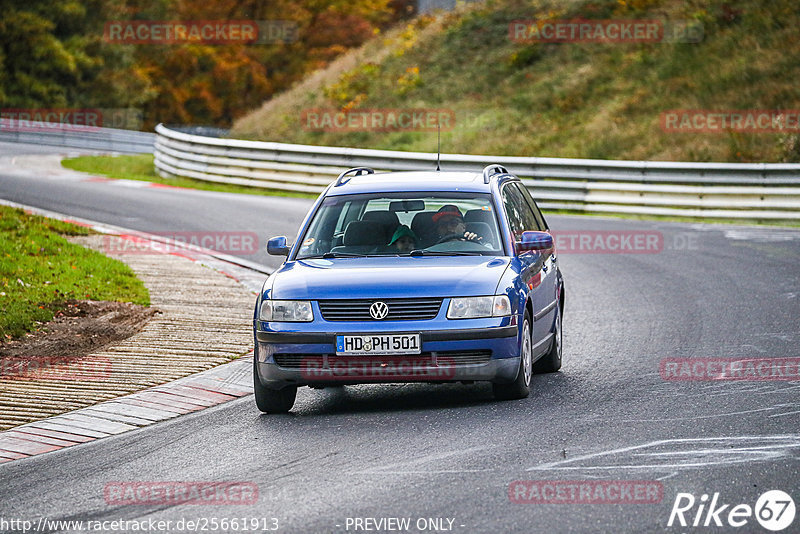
489, 352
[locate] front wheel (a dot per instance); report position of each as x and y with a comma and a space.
272, 400
521, 387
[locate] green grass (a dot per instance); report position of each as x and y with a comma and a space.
140, 167
136, 167
577, 100
40, 270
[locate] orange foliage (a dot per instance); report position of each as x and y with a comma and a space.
214, 84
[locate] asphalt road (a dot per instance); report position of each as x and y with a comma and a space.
183, 213
450, 451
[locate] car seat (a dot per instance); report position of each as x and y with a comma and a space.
386, 220
422, 225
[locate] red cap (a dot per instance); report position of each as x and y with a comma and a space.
447, 210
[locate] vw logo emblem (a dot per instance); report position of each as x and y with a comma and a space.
379, 310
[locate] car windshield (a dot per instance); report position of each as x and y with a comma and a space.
390, 224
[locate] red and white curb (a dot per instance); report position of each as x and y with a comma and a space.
196, 392
189, 394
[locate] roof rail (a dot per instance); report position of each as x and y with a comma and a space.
491, 170
358, 172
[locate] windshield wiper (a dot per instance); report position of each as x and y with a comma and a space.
329, 255
419, 252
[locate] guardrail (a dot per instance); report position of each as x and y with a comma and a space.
753, 191
104, 139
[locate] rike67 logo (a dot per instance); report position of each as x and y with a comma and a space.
774, 510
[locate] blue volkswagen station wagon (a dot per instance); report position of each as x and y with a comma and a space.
411, 277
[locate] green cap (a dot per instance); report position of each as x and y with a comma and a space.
403, 231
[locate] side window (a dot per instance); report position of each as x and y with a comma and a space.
534, 208
340, 221
520, 216
350, 212
340, 217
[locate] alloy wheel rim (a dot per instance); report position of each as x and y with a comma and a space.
558, 336
526, 352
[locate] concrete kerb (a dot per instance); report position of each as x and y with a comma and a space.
211, 387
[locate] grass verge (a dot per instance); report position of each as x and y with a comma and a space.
140, 167
40, 269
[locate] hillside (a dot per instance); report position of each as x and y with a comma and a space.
576, 99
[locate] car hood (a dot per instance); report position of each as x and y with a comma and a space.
387, 277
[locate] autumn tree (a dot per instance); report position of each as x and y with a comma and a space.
52, 54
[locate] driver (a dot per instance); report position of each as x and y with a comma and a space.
450, 223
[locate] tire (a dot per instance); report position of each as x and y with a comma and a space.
551, 362
521, 387
272, 400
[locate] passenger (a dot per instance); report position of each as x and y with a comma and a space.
450, 223
404, 239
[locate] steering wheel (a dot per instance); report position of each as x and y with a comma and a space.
454, 237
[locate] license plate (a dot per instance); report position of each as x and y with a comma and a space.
377, 344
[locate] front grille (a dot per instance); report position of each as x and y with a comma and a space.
293, 361
445, 358
399, 309
466, 357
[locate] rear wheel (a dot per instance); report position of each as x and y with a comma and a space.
521, 387
551, 362
272, 400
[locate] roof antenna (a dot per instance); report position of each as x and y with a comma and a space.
438, 143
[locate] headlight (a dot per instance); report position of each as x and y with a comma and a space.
473, 307
293, 311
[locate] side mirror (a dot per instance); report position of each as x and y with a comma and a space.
534, 241
277, 246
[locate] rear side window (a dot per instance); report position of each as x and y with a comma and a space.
534, 208
519, 213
